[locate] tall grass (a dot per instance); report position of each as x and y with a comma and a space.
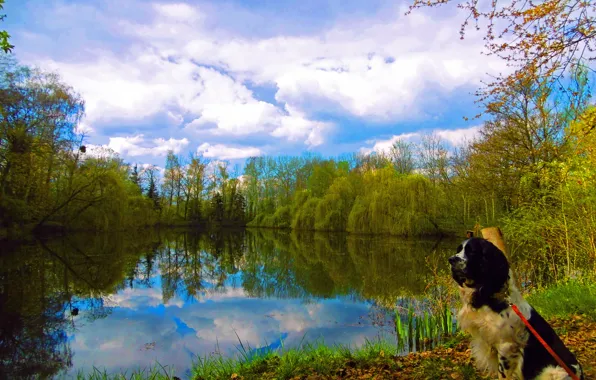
286, 363
423, 324
423, 330
157, 372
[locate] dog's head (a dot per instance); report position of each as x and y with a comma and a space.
479, 264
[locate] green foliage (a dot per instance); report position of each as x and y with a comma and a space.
282, 218
395, 204
288, 363
47, 175
334, 209
553, 232
322, 177
305, 216
5, 45
569, 297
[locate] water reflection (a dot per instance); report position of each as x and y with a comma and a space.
123, 301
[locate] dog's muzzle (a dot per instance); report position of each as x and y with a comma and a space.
458, 269
457, 262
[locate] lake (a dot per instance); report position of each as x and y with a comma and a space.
122, 301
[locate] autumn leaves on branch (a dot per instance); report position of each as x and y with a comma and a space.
541, 41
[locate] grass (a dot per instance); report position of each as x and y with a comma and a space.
285, 363
423, 330
571, 297
157, 372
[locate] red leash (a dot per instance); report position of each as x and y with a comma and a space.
550, 350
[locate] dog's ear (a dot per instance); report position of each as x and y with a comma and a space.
495, 274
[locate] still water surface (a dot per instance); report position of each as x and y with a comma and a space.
122, 301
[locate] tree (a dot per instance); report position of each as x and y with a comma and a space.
540, 40
150, 175
4, 36
524, 136
252, 177
38, 115
217, 209
135, 178
433, 158
194, 184
322, 177
238, 210
401, 155
172, 184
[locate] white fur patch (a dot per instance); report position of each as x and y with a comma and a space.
495, 334
553, 373
461, 254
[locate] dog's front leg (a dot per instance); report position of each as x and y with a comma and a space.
485, 356
510, 362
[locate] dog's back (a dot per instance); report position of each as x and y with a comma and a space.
536, 357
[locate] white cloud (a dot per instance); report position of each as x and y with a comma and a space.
139, 298
202, 78
380, 71
178, 12
454, 137
228, 103
383, 146
84, 128
224, 152
367, 68
175, 118
98, 151
138, 146
460, 136
133, 88
296, 126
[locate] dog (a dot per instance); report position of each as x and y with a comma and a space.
501, 343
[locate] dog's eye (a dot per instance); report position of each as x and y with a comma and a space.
459, 248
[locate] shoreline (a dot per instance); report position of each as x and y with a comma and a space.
570, 307
450, 360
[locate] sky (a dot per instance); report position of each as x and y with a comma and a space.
230, 79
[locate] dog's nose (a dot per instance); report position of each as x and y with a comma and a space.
454, 259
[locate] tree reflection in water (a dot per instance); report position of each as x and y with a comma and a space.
43, 283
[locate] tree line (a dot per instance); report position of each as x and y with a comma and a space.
48, 177
531, 170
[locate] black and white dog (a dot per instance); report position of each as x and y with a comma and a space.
501, 343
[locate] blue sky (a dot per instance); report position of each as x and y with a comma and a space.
231, 79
